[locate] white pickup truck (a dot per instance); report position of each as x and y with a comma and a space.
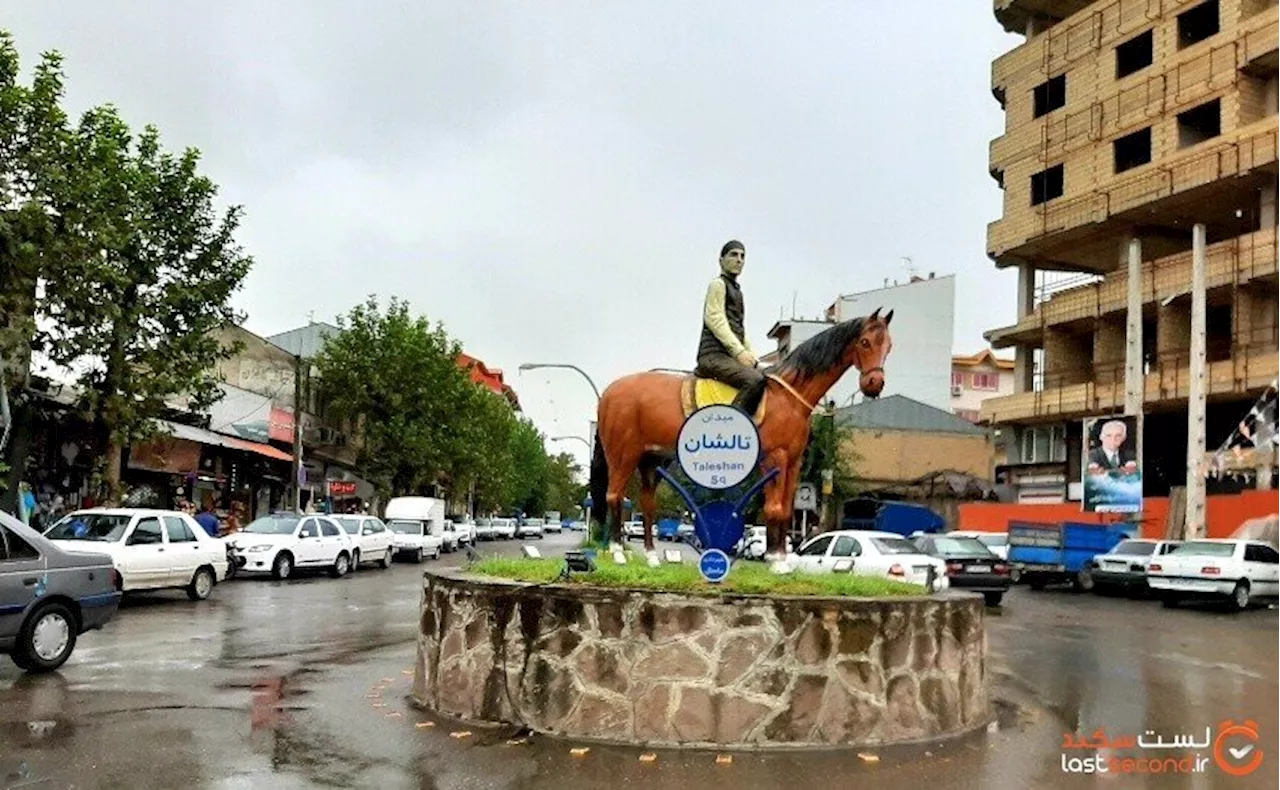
418, 526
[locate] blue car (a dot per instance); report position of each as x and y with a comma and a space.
48, 596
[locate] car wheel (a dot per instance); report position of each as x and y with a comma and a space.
1036, 582
355, 560
47, 638
385, 562
1083, 581
993, 598
282, 568
201, 585
1240, 596
341, 565
436, 556
1015, 576
418, 556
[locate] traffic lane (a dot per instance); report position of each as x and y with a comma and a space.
200, 677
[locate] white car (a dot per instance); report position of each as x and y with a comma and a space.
550, 524
282, 543
152, 549
754, 542
633, 528
1238, 571
531, 528
449, 537
504, 528
466, 531
882, 554
413, 538
996, 542
372, 539
1125, 566
484, 529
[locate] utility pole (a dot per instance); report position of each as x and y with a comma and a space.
1194, 526
1135, 379
297, 433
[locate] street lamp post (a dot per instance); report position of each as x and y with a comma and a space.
591, 424
573, 438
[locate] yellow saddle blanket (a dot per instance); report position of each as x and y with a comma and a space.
697, 393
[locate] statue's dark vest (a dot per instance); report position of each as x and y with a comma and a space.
734, 311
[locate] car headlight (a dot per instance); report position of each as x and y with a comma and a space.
258, 548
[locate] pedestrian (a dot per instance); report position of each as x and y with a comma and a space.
207, 520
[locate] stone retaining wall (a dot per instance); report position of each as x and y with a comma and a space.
637, 666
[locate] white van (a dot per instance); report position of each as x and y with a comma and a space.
418, 524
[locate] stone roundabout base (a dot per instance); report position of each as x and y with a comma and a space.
666, 669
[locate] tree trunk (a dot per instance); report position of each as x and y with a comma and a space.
19, 448
111, 473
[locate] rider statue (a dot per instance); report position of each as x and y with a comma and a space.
724, 353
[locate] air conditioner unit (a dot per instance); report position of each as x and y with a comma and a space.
955, 389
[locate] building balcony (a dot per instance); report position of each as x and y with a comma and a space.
1168, 383
1235, 261
1015, 15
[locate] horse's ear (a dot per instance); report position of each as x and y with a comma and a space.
888, 317
876, 314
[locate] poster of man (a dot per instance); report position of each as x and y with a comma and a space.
1112, 476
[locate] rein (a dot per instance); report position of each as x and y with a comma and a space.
795, 394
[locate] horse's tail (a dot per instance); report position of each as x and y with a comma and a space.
599, 483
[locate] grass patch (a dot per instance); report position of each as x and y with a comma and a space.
746, 578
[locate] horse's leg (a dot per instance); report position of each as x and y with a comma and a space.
619, 474
648, 499
777, 511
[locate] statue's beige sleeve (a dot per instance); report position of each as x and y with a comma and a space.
715, 319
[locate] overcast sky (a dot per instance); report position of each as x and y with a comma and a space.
555, 185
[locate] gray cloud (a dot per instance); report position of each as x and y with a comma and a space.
554, 184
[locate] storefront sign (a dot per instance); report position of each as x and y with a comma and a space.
342, 488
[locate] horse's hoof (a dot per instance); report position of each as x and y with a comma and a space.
653, 560
779, 564
615, 547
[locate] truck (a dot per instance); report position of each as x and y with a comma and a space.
1057, 553
901, 518
418, 523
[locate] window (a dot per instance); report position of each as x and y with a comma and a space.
1135, 54
329, 529
1046, 185
1199, 124
817, 548
846, 547
1043, 444
1132, 150
1197, 24
957, 379
351, 525
1268, 555
178, 530
986, 381
309, 529
14, 548
1049, 96
147, 533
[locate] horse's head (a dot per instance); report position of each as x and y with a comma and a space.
869, 351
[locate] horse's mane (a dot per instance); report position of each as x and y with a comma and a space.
822, 352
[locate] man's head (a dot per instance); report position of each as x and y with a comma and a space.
1112, 435
732, 258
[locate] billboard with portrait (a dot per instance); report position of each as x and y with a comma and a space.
1112, 470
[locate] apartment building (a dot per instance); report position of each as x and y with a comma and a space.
975, 378
1129, 123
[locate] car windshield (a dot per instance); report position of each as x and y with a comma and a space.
273, 525
482, 522
895, 546
1134, 548
1203, 548
994, 539
405, 527
960, 547
351, 525
104, 527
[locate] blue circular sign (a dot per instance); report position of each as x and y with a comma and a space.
713, 565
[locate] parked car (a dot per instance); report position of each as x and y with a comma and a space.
1125, 566
152, 549
504, 528
1237, 571
970, 564
633, 528
754, 542
577, 526
449, 537
485, 530
998, 542
882, 554
282, 543
412, 538
372, 540
531, 528
466, 530
49, 596
550, 524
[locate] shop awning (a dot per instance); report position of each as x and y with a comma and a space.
200, 435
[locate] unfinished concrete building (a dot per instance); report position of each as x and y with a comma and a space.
1133, 121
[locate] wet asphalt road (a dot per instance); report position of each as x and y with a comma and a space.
305, 684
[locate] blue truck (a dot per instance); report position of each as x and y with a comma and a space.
900, 518
1043, 554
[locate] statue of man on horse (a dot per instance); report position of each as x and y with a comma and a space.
640, 415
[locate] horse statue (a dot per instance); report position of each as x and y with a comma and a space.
640, 416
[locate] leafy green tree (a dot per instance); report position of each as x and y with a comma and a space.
527, 486
564, 491
395, 375
831, 446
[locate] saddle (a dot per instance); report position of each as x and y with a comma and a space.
696, 393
